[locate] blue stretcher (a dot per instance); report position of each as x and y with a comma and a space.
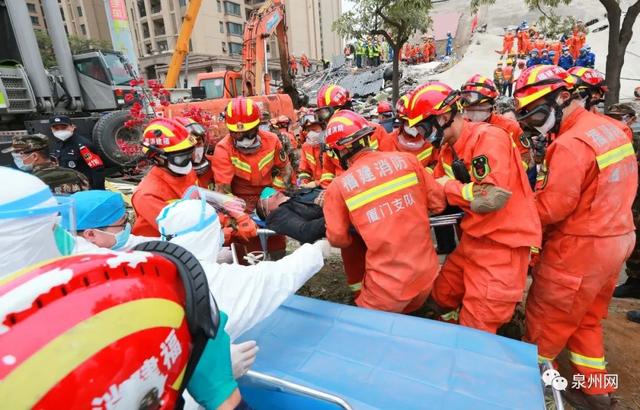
322, 355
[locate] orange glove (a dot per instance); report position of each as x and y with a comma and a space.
227, 231
245, 227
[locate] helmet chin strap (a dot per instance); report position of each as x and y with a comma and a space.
559, 108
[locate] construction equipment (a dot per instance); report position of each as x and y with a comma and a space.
89, 87
213, 90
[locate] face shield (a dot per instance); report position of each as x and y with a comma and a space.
324, 114
35, 228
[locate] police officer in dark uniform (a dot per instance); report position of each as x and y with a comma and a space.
76, 152
31, 154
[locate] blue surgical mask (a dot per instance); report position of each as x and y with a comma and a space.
17, 159
122, 237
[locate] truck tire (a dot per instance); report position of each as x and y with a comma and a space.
119, 146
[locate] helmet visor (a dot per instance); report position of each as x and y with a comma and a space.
180, 159
472, 98
536, 117
197, 129
323, 114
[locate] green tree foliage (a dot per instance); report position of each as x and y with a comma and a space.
77, 45
620, 33
395, 20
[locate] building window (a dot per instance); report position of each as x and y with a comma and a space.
234, 28
148, 49
158, 27
35, 21
156, 6
142, 11
219, 6
183, 3
235, 48
31, 7
83, 29
62, 14
163, 46
224, 47
232, 8
221, 26
79, 11
145, 30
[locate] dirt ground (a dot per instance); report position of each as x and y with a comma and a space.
622, 338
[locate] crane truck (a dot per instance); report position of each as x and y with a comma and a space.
89, 86
214, 90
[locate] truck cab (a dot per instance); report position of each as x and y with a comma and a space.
220, 84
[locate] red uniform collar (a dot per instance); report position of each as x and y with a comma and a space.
571, 119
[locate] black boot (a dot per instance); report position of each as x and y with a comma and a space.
629, 289
582, 401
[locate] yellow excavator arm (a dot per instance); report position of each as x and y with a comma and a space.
182, 44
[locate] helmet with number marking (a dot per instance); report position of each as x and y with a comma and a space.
431, 99
539, 81
478, 90
166, 135
242, 114
346, 128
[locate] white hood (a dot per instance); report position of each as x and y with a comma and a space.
27, 240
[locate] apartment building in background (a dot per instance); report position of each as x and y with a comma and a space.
36, 14
86, 19
216, 41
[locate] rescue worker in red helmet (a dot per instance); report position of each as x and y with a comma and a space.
401, 141
311, 158
170, 146
201, 164
480, 169
589, 86
245, 162
386, 197
332, 98
478, 97
386, 118
584, 200
248, 159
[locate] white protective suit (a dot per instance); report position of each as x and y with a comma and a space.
248, 294
25, 240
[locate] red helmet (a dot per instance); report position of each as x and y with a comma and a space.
242, 114
588, 79
104, 329
478, 90
345, 128
384, 107
538, 81
167, 135
192, 126
332, 95
402, 105
432, 98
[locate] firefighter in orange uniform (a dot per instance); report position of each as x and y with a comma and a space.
485, 275
312, 149
332, 98
201, 164
539, 44
304, 61
584, 200
385, 197
401, 141
478, 100
589, 87
170, 146
293, 65
507, 44
523, 43
556, 47
248, 159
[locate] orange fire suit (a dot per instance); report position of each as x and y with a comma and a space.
248, 174
293, 65
575, 44
516, 134
156, 190
507, 44
331, 167
556, 46
584, 200
310, 163
427, 155
385, 197
486, 273
539, 45
523, 42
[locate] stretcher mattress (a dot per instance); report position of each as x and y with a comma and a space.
379, 360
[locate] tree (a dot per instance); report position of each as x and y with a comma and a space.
77, 45
396, 21
620, 33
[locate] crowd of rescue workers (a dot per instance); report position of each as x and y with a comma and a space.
544, 189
